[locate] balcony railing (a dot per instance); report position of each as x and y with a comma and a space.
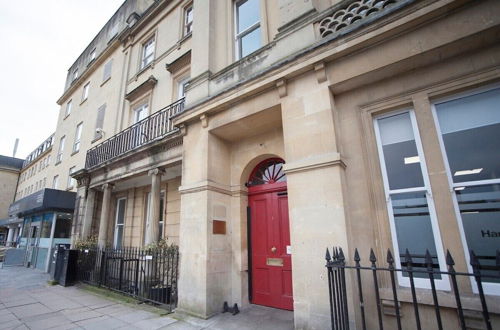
146, 131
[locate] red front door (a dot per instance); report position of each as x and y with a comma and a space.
270, 246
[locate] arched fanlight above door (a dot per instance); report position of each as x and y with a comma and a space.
267, 172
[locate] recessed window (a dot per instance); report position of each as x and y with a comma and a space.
92, 55
412, 217
107, 70
85, 93
99, 122
75, 74
148, 215
188, 20
71, 181
148, 52
78, 136
119, 222
248, 32
68, 107
55, 182
181, 88
141, 112
470, 135
61, 149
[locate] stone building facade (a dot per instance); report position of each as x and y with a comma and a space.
10, 168
256, 133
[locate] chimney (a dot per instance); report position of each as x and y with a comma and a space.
15, 148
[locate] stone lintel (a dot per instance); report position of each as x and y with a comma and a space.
306, 164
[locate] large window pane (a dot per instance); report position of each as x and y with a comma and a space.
248, 14
480, 210
414, 229
250, 42
470, 127
63, 226
400, 152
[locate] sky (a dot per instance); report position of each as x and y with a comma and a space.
39, 40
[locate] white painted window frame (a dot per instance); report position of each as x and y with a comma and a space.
68, 107
489, 288
138, 109
85, 93
148, 59
443, 283
250, 29
115, 236
148, 213
188, 24
78, 137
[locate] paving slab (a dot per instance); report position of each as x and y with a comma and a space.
28, 302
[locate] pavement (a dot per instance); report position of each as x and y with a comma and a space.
27, 301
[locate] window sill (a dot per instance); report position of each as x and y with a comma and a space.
83, 101
96, 139
66, 116
105, 81
144, 69
69, 188
58, 162
75, 152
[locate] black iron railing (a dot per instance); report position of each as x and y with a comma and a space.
146, 274
369, 278
146, 131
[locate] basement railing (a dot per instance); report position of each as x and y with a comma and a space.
144, 132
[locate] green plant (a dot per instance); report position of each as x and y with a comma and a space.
86, 243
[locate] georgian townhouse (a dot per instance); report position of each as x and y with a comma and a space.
254, 134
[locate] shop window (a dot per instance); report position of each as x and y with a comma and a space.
248, 31
63, 226
119, 222
412, 216
470, 135
46, 226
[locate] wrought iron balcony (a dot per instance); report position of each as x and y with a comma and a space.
144, 132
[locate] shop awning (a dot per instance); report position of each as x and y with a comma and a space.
44, 200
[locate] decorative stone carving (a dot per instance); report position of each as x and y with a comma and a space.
352, 13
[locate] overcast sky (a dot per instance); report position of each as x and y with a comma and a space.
40, 39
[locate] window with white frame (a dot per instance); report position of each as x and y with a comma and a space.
69, 105
413, 220
55, 182
78, 137
188, 20
469, 127
61, 149
141, 112
181, 87
148, 52
248, 31
119, 222
71, 181
85, 93
75, 74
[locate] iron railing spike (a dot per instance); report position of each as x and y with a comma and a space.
356, 255
373, 258
327, 256
408, 259
341, 254
428, 260
449, 259
390, 258
473, 259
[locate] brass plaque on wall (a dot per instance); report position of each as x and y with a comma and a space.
274, 262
